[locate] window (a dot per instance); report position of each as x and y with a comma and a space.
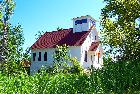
98, 59
98, 56
39, 58
84, 20
95, 37
93, 22
85, 56
91, 58
45, 56
34, 55
78, 22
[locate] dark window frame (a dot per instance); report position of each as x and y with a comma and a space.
39, 57
84, 20
34, 56
45, 56
85, 59
78, 22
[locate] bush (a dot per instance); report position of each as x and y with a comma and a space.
75, 68
114, 78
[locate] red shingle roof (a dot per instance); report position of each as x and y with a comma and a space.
94, 46
65, 36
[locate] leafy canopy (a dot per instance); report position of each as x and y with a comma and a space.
119, 28
11, 39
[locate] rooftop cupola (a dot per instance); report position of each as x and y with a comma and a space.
83, 23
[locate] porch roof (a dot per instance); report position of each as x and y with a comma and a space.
94, 46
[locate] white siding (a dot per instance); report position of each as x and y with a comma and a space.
75, 52
36, 65
85, 47
93, 34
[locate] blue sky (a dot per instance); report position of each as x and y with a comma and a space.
47, 15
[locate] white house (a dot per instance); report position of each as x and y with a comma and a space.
82, 39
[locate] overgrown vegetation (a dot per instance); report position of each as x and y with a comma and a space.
121, 28
11, 40
114, 78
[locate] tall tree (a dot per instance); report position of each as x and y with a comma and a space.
119, 27
11, 39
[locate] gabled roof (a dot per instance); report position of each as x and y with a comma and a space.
94, 46
60, 37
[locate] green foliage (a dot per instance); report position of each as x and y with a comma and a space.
119, 28
11, 40
61, 55
63, 62
39, 34
59, 29
75, 68
27, 55
114, 78
61, 58
121, 76
14, 53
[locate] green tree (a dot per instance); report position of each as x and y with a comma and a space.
11, 39
59, 29
119, 28
61, 57
64, 63
39, 34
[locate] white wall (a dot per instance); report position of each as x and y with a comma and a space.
75, 52
93, 34
36, 65
85, 47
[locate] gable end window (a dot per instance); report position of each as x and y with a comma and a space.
34, 55
85, 56
39, 58
45, 56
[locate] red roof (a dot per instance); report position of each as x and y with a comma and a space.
94, 46
65, 36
